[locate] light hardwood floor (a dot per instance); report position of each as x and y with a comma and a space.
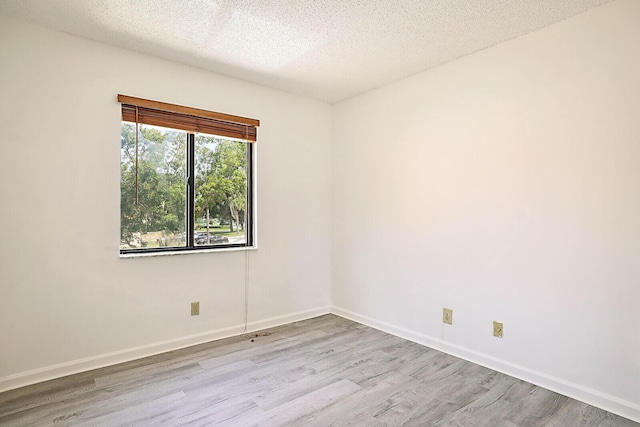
318, 372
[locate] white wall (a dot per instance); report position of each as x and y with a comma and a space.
67, 301
506, 186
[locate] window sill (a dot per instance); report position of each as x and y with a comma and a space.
183, 252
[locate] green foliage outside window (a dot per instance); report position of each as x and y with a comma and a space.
157, 217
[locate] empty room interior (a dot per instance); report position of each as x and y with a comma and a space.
439, 221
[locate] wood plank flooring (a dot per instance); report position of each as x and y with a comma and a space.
326, 371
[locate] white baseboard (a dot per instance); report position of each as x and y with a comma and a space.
587, 395
46, 373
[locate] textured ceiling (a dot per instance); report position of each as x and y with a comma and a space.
324, 49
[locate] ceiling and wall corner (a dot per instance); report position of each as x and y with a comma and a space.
327, 50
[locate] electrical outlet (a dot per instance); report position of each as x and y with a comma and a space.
447, 316
497, 329
195, 308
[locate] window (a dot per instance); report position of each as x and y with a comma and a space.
185, 178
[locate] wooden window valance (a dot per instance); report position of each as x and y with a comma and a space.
144, 111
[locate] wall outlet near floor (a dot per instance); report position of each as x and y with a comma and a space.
195, 308
447, 316
497, 329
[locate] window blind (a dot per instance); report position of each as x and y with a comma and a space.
144, 111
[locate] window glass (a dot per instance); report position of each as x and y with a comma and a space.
152, 211
221, 189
